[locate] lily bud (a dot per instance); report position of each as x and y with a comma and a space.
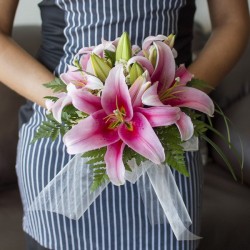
170, 40
153, 55
124, 50
101, 68
135, 71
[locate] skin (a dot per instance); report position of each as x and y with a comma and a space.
19, 71
230, 33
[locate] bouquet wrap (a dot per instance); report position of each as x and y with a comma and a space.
68, 194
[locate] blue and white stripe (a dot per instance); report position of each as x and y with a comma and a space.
117, 220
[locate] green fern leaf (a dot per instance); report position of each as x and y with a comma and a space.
52, 98
129, 154
98, 167
171, 141
199, 84
48, 129
110, 56
57, 85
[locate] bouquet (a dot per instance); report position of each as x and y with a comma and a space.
126, 109
119, 102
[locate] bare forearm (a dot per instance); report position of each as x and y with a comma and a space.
21, 72
223, 49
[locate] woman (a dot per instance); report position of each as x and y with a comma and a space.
117, 219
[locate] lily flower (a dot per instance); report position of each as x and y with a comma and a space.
170, 88
80, 84
81, 79
120, 121
56, 107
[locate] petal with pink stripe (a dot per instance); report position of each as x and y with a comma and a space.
114, 164
140, 136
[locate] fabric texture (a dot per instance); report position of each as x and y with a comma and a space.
117, 219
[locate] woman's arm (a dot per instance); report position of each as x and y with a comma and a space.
230, 33
18, 70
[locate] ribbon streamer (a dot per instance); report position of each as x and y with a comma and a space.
69, 192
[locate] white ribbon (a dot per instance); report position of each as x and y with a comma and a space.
69, 192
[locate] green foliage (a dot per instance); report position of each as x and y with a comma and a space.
57, 85
200, 126
171, 141
129, 154
71, 116
77, 64
49, 129
200, 129
52, 98
98, 167
52, 128
199, 84
110, 57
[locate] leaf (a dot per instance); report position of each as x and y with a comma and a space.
48, 129
57, 85
219, 151
129, 154
171, 141
110, 56
98, 167
52, 128
200, 127
219, 111
71, 115
199, 84
98, 181
52, 98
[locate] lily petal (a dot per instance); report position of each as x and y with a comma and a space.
86, 50
150, 96
137, 90
143, 61
114, 164
89, 134
93, 82
160, 116
84, 59
49, 103
81, 79
192, 98
183, 74
83, 100
141, 137
58, 106
108, 45
165, 66
150, 39
185, 127
135, 49
115, 93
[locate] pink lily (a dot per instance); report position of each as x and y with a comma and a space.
169, 88
150, 39
98, 50
79, 84
81, 79
120, 122
56, 107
